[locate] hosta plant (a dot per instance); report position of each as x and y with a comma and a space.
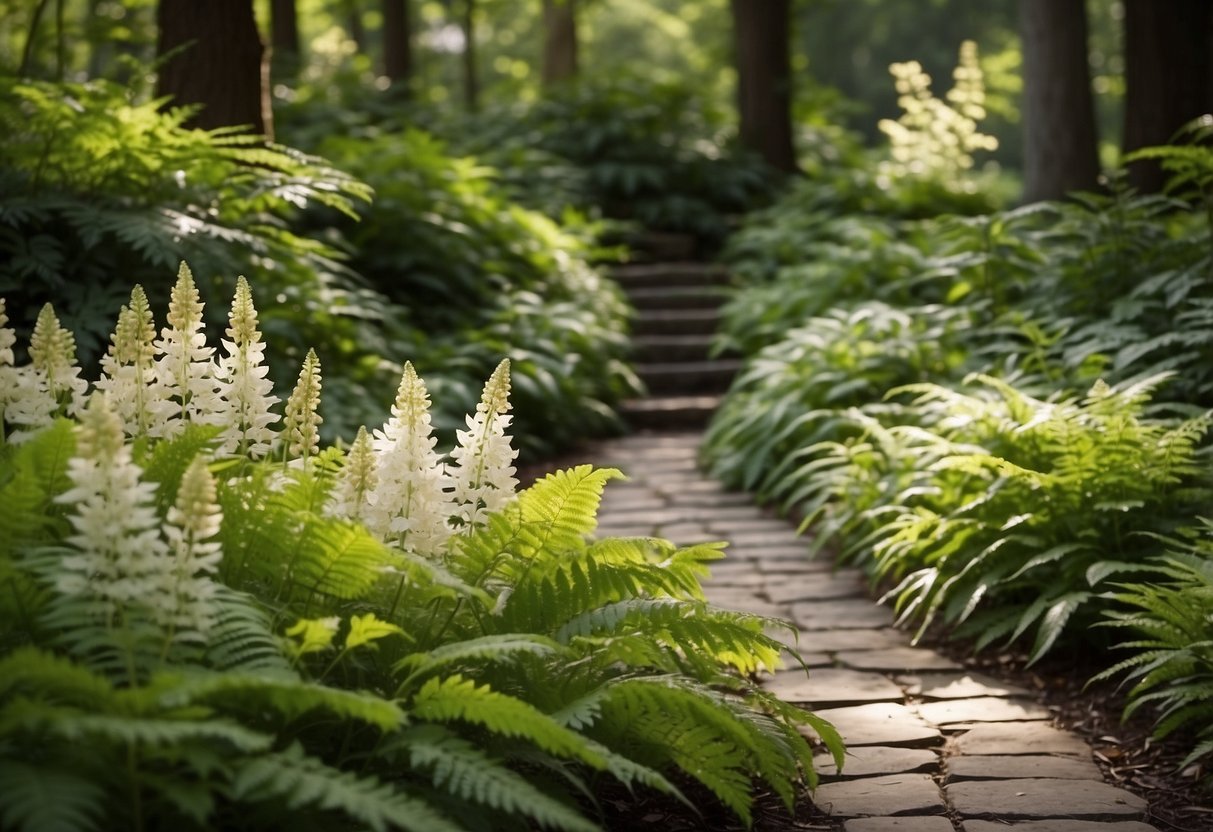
211, 620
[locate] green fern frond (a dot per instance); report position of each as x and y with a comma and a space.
303, 782
31, 672
33, 475
455, 698
44, 799
168, 459
559, 510
464, 771
476, 651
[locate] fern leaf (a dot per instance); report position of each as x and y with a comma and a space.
468, 773
561, 509
456, 698
48, 800
304, 782
485, 649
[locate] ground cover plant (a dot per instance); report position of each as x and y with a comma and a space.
211, 619
1004, 418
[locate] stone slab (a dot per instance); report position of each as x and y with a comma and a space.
772, 539
880, 723
779, 563
821, 586
755, 606
833, 686
868, 760
1019, 738
1058, 825
897, 659
958, 685
1007, 767
880, 638
981, 709
894, 794
928, 823
840, 615
1034, 799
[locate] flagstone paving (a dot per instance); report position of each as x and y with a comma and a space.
932, 746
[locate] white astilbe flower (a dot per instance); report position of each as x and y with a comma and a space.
121, 558
184, 601
26, 402
244, 390
129, 368
184, 372
481, 466
52, 352
356, 488
409, 504
302, 423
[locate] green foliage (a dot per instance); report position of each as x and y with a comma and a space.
1168, 622
345, 680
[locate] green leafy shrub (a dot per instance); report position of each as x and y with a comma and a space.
1170, 622
480, 277
211, 621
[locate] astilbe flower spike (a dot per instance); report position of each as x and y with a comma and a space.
52, 352
244, 389
409, 504
26, 402
120, 557
184, 371
355, 491
302, 424
129, 368
481, 469
184, 602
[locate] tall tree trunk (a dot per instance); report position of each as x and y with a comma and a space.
559, 41
471, 83
764, 79
222, 66
397, 43
1167, 76
284, 34
1060, 149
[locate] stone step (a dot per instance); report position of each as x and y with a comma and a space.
676, 297
670, 412
657, 348
637, 275
688, 377
675, 321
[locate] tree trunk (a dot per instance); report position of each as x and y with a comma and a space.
397, 43
1167, 76
559, 41
284, 34
471, 83
764, 79
222, 65
1060, 150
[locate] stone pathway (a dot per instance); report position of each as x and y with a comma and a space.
931, 747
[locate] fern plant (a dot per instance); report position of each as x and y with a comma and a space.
1169, 627
387, 637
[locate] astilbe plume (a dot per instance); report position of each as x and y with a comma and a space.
302, 423
409, 504
184, 371
52, 352
184, 602
481, 469
356, 488
26, 402
129, 368
244, 389
120, 559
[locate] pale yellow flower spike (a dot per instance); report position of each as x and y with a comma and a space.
302, 420
496, 395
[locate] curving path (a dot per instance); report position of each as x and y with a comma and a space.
932, 747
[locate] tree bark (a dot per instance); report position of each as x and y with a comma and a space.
1168, 76
222, 66
761, 32
353, 18
471, 82
559, 41
284, 33
1060, 150
397, 42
